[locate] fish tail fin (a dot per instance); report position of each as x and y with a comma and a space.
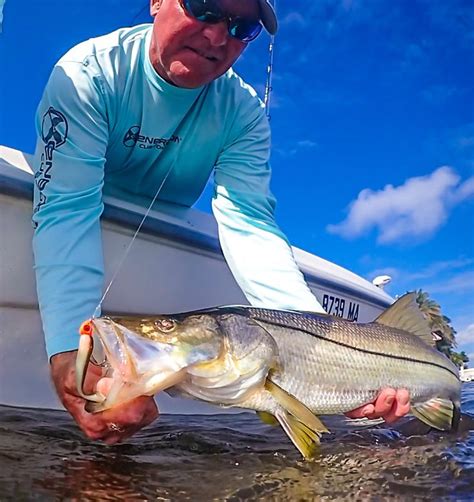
302, 426
439, 413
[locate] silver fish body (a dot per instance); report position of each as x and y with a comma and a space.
288, 366
334, 366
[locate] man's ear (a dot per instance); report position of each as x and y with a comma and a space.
154, 7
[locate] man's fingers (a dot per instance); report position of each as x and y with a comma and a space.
362, 412
111, 426
384, 402
400, 408
390, 405
115, 425
103, 385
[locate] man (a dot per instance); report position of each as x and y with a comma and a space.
169, 86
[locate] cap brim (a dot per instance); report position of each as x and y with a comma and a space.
268, 16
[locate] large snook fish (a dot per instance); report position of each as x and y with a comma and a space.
288, 366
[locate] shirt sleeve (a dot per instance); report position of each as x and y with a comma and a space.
256, 250
69, 170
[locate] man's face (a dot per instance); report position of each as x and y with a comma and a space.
189, 53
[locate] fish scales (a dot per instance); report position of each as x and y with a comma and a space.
335, 366
288, 366
370, 337
329, 380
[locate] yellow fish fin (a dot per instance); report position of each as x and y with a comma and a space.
302, 426
305, 439
295, 407
405, 314
442, 414
267, 418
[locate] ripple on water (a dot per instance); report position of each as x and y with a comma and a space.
229, 457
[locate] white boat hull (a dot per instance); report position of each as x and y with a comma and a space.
466, 375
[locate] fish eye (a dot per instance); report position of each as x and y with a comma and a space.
166, 325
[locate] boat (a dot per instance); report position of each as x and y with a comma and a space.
175, 265
466, 374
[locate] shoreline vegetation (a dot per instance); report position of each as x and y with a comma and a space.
441, 327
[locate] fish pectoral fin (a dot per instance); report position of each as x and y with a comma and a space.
302, 426
304, 438
295, 407
441, 414
267, 418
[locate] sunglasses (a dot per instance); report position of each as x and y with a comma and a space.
209, 11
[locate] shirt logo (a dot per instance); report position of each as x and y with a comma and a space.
133, 138
54, 128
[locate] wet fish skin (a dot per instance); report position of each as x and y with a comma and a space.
288, 366
337, 366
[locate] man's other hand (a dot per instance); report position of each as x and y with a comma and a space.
111, 426
390, 405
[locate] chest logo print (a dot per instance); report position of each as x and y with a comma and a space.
133, 138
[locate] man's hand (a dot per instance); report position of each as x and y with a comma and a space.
390, 405
111, 426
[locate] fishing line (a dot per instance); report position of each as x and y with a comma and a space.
268, 85
130, 244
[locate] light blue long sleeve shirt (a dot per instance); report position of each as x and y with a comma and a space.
109, 124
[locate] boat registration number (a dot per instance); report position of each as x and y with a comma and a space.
340, 307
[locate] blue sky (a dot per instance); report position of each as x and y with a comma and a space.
372, 118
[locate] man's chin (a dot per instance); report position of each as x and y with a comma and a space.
188, 78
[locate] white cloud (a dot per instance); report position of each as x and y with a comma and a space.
465, 190
414, 210
436, 268
294, 18
456, 284
466, 336
415, 280
307, 143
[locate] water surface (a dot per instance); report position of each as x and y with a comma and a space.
43, 456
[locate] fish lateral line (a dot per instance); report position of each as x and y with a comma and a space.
351, 347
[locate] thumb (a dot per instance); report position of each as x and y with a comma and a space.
103, 385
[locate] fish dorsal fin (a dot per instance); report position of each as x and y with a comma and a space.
405, 314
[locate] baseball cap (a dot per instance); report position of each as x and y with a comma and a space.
268, 16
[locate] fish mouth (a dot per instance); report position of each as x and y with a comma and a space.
136, 367
84, 357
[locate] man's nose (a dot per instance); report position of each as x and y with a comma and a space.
217, 33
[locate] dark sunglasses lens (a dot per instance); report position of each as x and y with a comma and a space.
244, 29
209, 11
204, 10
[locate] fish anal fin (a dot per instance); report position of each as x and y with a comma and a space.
406, 315
267, 418
441, 414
